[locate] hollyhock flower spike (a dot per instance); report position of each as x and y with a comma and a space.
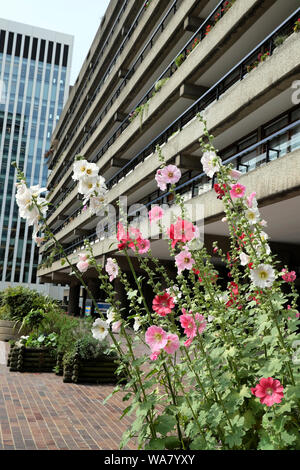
269, 391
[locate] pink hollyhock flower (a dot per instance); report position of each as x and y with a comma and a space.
189, 341
156, 214
154, 355
156, 338
160, 180
237, 190
297, 315
112, 268
183, 231
173, 344
116, 326
141, 245
163, 304
235, 174
251, 200
184, 261
269, 391
200, 322
83, 264
188, 324
288, 276
122, 237
171, 174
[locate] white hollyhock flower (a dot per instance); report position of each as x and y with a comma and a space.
244, 259
100, 185
111, 316
264, 236
211, 163
262, 250
84, 169
252, 215
224, 297
137, 324
87, 186
100, 329
96, 203
263, 276
174, 292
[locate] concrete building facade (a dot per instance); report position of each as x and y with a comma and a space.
149, 72
34, 75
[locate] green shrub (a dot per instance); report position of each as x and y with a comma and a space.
20, 301
5, 313
90, 348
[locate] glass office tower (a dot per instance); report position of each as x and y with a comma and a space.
34, 84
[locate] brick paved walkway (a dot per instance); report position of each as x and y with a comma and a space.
40, 412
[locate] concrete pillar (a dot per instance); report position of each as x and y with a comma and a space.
73, 306
93, 285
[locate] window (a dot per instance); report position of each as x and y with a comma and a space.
65, 56
2, 40
50, 51
34, 48
57, 53
10, 43
18, 45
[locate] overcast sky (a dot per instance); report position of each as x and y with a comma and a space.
81, 18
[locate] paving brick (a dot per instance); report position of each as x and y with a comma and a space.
40, 412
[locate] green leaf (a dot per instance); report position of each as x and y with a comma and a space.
288, 438
164, 424
245, 392
156, 444
198, 444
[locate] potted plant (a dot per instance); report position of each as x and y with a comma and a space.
90, 362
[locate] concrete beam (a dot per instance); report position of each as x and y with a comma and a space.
118, 162
192, 23
188, 162
119, 116
61, 217
192, 92
78, 232
60, 278
124, 30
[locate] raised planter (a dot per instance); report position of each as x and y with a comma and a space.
9, 330
99, 371
21, 359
